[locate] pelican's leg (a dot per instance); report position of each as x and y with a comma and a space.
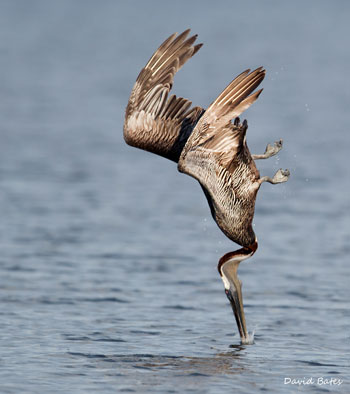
271, 150
280, 177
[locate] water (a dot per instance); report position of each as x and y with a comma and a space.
108, 255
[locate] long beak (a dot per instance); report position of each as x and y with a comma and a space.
234, 294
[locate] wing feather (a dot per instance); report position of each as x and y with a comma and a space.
153, 121
214, 131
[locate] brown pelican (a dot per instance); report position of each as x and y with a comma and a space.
207, 146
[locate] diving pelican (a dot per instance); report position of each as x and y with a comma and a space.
207, 146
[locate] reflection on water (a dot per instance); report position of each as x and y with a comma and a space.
108, 279
220, 363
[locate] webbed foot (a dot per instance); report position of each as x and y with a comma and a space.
271, 150
280, 177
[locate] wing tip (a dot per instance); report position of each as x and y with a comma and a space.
196, 48
258, 93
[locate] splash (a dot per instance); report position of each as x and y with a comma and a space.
249, 340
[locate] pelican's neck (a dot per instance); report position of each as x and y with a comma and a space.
236, 257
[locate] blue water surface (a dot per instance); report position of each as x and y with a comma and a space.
108, 279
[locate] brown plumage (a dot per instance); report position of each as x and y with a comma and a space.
206, 145
153, 121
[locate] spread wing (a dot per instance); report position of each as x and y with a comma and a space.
153, 121
217, 156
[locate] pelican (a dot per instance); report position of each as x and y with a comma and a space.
206, 145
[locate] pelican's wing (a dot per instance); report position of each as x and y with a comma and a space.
214, 133
153, 121
214, 136
217, 156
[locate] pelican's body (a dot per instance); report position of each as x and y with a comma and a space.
207, 146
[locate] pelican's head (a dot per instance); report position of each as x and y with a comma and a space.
228, 265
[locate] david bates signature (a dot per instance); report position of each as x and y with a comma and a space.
320, 381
